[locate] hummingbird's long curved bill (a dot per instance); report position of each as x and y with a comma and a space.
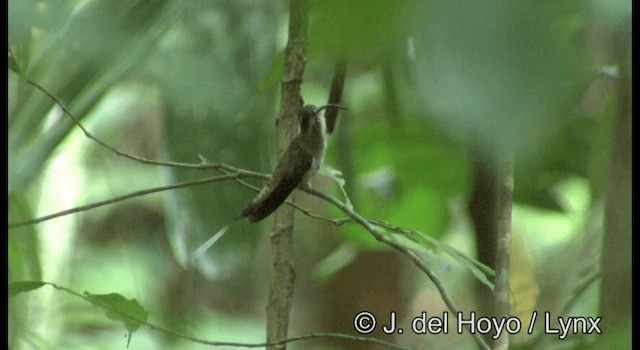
331, 105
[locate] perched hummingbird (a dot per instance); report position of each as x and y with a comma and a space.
302, 159
298, 164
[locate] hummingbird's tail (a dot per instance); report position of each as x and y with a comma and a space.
206, 245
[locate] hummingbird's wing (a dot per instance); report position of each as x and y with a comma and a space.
289, 173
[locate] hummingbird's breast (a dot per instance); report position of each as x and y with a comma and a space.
316, 145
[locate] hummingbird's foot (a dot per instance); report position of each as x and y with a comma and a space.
305, 185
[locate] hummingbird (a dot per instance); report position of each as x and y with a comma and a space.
301, 160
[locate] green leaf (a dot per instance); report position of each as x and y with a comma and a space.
23, 286
13, 65
338, 178
426, 243
479, 270
507, 84
120, 309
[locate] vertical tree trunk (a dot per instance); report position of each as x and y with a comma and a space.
615, 294
502, 291
282, 273
483, 209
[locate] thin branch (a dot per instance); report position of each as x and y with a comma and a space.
282, 342
236, 175
503, 248
316, 335
128, 196
136, 158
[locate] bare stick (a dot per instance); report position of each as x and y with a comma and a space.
282, 274
503, 250
125, 197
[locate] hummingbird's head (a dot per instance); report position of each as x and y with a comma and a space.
310, 115
307, 117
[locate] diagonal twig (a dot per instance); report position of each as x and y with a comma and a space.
126, 196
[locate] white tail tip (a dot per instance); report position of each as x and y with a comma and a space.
203, 248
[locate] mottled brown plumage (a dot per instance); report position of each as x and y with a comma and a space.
298, 164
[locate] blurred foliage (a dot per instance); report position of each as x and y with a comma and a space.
366, 28
174, 79
208, 68
501, 72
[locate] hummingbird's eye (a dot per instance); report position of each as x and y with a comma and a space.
308, 110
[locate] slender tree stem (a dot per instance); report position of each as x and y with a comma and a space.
503, 248
616, 256
282, 275
127, 196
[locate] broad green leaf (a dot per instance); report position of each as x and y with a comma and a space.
501, 72
426, 245
120, 309
338, 178
479, 270
23, 286
14, 66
